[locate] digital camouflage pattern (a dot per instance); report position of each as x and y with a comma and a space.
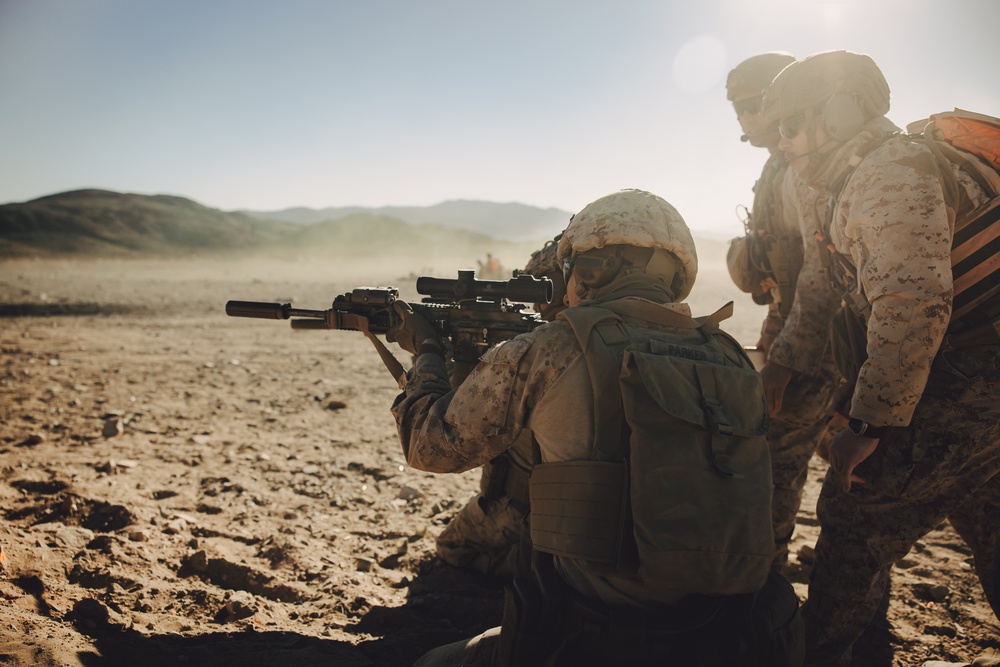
484, 539
485, 534
636, 218
892, 221
943, 459
805, 334
944, 465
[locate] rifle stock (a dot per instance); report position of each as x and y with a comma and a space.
471, 315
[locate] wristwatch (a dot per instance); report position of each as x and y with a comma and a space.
861, 427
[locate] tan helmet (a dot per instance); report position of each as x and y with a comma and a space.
755, 73
636, 218
847, 89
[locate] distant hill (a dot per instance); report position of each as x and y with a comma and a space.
507, 221
102, 223
98, 222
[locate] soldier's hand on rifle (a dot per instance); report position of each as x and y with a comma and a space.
413, 330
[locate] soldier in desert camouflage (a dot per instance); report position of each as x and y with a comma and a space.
630, 251
799, 375
923, 442
485, 534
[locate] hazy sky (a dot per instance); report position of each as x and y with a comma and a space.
265, 105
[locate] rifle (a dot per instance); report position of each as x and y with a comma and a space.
472, 315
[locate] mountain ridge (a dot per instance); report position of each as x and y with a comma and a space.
105, 223
509, 221
94, 222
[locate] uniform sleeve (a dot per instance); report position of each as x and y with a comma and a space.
804, 339
894, 224
444, 430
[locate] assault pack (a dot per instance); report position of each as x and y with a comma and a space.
678, 490
972, 142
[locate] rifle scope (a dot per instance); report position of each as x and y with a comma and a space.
524, 288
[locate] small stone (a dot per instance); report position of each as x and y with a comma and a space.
938, 593
989, 659
408, 493
198, 561
113, 427
365, 564
240, 605
940, 631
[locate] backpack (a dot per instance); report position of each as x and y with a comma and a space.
678, 489
972, 142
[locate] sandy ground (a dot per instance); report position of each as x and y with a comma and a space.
180, 487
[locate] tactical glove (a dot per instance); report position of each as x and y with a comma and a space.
413, 331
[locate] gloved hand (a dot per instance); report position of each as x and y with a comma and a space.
412, 330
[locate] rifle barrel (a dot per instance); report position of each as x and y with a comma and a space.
268, 311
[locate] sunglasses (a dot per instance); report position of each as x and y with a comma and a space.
790, 127
749, 105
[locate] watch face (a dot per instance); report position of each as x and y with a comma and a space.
857, 426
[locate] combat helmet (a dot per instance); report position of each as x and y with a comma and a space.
847, 89
755, 73
633, 218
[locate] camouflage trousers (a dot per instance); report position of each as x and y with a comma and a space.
481, 541
944, 465
795, 433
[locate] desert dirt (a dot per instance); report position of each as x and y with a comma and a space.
179, 487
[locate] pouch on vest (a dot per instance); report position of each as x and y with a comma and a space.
678, 491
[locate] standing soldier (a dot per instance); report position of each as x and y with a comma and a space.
799, 376
923, 442
485, 534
